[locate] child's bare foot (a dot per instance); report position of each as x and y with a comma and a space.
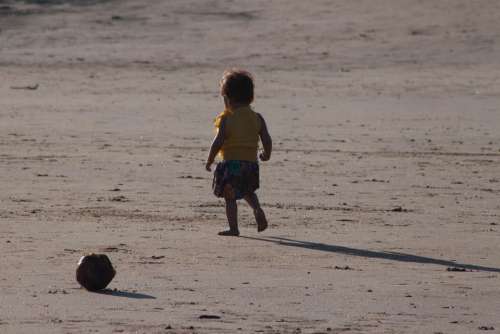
230, 233
260, 217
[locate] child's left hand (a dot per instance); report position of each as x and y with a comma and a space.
208, 166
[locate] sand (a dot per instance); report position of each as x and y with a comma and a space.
382, 192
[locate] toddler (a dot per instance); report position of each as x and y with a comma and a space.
238, 131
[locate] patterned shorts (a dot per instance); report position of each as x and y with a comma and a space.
243, 176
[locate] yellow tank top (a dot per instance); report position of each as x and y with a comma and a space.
242, 128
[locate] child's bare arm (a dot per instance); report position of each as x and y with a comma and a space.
266, 140
216, 145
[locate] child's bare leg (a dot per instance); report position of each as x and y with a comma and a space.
259, 214
231, 212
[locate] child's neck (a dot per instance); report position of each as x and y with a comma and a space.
234, 106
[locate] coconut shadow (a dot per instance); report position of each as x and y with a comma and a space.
126, 294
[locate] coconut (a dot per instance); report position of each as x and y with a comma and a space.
94, 271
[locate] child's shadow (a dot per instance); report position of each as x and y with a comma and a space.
394, 256
127, 294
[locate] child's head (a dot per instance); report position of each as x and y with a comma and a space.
237, 86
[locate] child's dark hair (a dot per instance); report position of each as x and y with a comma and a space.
237, 86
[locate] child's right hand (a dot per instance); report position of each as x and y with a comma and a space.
264, 157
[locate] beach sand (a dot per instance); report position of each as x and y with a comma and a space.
382, 192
